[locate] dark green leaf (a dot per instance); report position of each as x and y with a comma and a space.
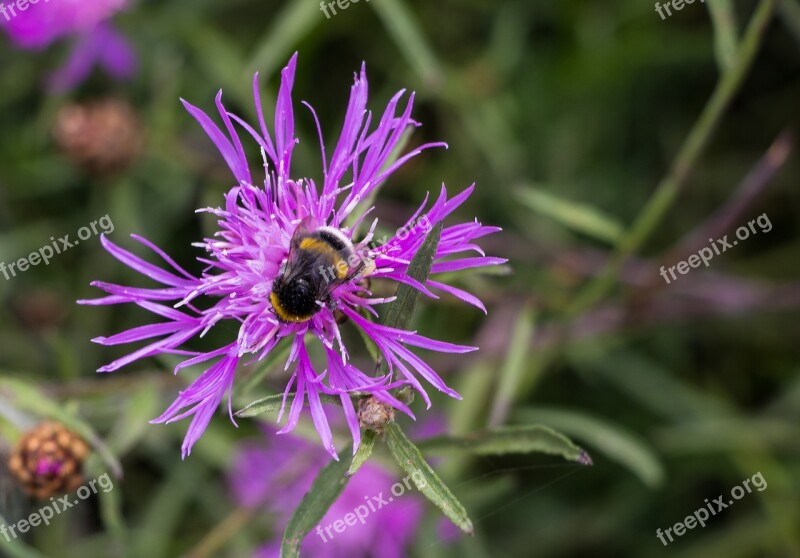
612, 440
16, 548
401, 310
364, 451
513, 439
272, 404
323, 493
427, 481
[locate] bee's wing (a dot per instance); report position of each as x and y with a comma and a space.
304, 229
298, 263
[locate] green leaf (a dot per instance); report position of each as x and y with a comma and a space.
427, 481
401, 310
578, 217
410, 40
648, 383
295, 20
272, 404
109, 502
16, 548
364, 451
612, 440
323, 493
133, 421
726, 44
790, 13
166, 505
514, 367
511, 439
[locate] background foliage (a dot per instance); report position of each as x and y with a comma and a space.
567, 115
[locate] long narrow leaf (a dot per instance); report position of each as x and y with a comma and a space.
323, 493
272, 404
363, 452
513, 439
573, 215
425, 478
613, 441
401, 310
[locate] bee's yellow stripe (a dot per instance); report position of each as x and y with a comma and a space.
322, 247
316, 245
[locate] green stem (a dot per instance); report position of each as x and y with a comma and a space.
670, 186
790, 12
218, 537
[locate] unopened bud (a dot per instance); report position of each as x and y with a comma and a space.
48, 460
102, 137
374, 415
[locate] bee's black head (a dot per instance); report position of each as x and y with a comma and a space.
294, 300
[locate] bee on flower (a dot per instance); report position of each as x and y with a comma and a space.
264, 268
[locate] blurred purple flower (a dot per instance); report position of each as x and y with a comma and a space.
251, 248
277, 476
97, 42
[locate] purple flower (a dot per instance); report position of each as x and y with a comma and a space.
97, 42
276, 477
251, 251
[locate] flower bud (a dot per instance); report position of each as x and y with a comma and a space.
374, 415
48, 459
102, 137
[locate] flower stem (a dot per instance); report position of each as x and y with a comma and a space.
222, 533
670, 186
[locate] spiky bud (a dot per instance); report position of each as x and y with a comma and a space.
48, 460
374, 415
102, 137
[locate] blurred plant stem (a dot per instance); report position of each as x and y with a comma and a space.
222, 533
790, 11
399, 22
670, 186
512, 372
723, 17
777, 502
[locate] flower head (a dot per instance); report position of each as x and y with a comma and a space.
276, 476
98, 43
265, 268
48, 459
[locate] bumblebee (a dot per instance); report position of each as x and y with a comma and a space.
319, 260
